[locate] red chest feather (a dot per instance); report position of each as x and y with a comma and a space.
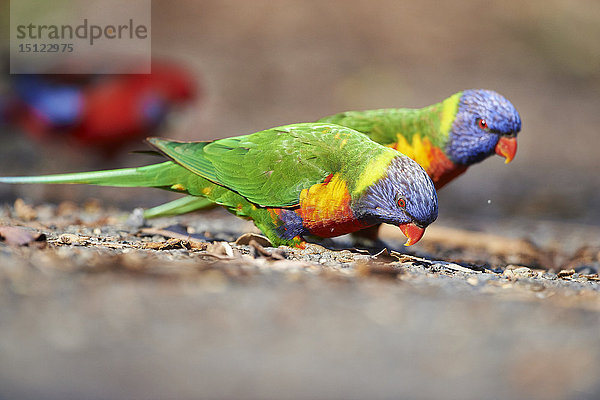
441, 170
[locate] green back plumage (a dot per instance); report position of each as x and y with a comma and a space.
384, 125
271, 168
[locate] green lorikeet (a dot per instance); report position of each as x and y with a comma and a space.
304, 179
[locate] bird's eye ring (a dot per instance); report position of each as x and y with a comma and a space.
401, 203
482, 123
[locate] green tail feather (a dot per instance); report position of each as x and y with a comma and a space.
161, 175
180, 206
167, 175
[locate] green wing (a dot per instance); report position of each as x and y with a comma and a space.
270, 168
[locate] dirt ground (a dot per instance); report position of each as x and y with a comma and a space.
98, 303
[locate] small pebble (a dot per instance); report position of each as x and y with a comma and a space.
136, 218
69, 238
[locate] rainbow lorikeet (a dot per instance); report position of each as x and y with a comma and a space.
444, 138
304, 179
102, 112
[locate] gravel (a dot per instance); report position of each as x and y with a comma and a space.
111, 306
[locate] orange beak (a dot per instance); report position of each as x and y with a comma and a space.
507, 148
412, 232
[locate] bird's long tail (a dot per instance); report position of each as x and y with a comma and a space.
164, 175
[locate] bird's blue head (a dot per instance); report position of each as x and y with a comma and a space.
404, 196
485, 123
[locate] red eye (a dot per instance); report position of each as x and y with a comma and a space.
401, 203
482, 124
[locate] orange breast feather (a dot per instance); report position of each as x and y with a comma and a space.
325, 208
439, 168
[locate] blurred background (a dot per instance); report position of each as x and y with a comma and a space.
108, 325
259, 64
